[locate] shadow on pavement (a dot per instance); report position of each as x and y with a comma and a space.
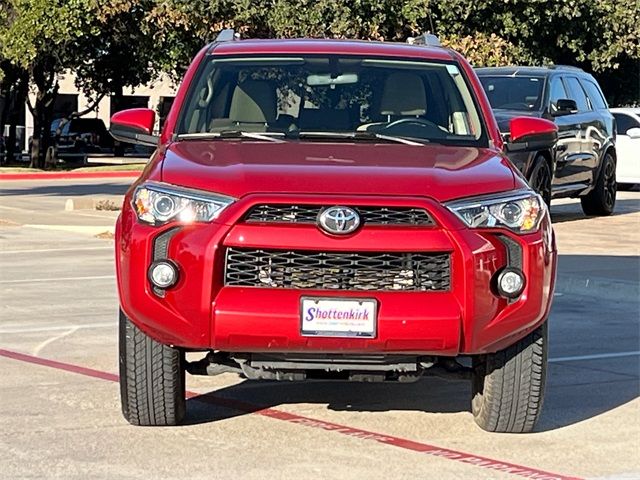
69, 190
573, 211
582, 323
431, 395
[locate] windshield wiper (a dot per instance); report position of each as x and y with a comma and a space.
265, 136
365, 135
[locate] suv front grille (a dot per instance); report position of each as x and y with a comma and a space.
388, 216
337, 270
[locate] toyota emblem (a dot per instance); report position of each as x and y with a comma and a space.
339, 220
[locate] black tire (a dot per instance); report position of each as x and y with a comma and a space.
152, 388
602, 199
540, 179
626, 187
508, 386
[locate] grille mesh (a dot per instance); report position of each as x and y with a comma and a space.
337, 271
390, 216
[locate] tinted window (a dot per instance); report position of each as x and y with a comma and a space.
625, 122
577, 93
557, 90
87, 125
514, 93
293, 95
594, 94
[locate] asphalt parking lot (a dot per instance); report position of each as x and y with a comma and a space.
60, 415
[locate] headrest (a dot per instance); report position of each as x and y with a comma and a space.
253, 101
403, 94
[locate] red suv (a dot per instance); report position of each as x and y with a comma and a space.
338, 210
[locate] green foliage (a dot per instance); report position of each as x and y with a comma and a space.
44, 27
485, 50
592, 32
599, 35
115, 43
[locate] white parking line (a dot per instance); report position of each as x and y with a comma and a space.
595, 356
56, 279
36, 351
57, 327
50, 250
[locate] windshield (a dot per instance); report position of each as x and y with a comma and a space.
322, 97
514, 93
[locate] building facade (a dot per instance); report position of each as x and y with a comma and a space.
157, 95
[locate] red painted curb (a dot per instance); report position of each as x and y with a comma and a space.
239, 405
67, 175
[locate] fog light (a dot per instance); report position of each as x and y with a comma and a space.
163, 274
510, 282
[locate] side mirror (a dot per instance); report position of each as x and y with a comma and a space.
633, 133
564, 106
134, 126
531, 133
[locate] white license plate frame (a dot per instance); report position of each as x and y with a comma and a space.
332, 326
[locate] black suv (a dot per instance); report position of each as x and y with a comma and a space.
582, 163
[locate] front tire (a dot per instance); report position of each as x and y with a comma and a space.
602, 199
152, 386
508, 386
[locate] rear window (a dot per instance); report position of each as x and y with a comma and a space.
522, 93
577, 93
328, 94
625, 122
595, 96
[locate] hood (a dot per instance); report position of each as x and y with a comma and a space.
504, 116
238, 168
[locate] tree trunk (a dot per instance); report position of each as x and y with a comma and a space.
15, 97
45, 79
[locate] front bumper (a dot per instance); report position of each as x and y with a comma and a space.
200, 312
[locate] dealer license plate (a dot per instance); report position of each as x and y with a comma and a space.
333, 317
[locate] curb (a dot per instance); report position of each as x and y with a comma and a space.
598, 287
68, 175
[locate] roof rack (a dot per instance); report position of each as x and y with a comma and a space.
227, 35
425, 39
565, 67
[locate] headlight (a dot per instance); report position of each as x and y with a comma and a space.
158, 203
521, 212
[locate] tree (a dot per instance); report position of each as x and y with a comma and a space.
101, 42
181, 28
40, 40
601, 36
13, 90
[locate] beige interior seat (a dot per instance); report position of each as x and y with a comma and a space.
403, 95
254, 102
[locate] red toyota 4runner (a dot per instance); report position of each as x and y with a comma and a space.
337, 210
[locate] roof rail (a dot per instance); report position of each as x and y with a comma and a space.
227, 35
425, 39
566, 67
